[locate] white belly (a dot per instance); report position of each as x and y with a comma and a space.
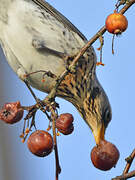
25, 23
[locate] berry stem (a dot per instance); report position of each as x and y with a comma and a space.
54, 117
113, 43
101, 39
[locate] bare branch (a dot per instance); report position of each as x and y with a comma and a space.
129, 162
125, 176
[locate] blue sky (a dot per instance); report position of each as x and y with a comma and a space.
116, 77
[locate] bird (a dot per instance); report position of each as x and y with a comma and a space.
35, 37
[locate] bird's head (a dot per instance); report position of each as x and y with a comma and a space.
93, 105
84, 91
97, 112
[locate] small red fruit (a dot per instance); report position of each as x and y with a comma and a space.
116, 23
40, 143
104, 156
64, 123
11, 112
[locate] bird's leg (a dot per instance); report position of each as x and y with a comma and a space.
48, 73
31, 91
40, 46
40, 104
68, 59
43, 105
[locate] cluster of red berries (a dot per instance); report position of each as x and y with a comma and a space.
39, 142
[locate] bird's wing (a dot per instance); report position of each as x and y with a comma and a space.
62, 19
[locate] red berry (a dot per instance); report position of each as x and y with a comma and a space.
116, 23
40, 143
11, 112
104, 156
64, 123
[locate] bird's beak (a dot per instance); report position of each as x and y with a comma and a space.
99, 132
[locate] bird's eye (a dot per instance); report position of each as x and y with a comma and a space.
107, 117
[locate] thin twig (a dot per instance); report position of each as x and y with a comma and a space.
54, 117
125, 176
30, 89
113, 43
129, 162
120, 2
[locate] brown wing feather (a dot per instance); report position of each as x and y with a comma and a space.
59, 17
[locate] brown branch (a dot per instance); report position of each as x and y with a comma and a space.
125, 176
127, 6
129, 162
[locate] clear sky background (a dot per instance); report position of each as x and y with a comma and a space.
117, 79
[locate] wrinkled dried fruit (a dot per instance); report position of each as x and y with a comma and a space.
11, 112
116, 23
64, 123
67, 131
104, 156
40, 143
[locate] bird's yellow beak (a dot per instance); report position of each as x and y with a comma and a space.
98, 133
